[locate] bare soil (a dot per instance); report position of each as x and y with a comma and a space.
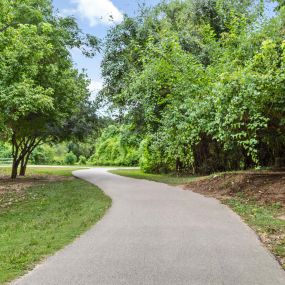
263, 186
22, 183
13, 190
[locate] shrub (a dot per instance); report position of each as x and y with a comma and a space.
43, 154
116, 147
82, 160
70, 158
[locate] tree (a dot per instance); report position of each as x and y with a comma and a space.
40, 91
116, 146
203, 84
281, 3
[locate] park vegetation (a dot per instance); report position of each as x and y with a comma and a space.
198, 87
193, 87
43, 98
38, 220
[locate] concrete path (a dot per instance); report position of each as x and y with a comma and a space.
155, 234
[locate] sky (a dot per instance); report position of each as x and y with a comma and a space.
93, 17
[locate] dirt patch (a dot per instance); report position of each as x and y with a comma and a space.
12, 191
263, 186
22, 183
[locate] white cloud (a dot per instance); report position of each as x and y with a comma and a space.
97, 11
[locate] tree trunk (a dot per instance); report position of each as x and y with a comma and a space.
15, 151
23, 170
178, 166
23, 167
24, 163
21, 151
14, 169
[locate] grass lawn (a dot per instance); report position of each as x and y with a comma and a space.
41, 170
170, 179
263, 217
41, 219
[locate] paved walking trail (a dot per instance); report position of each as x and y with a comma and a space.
155, 234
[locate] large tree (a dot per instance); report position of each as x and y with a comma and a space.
203, 81
40, 91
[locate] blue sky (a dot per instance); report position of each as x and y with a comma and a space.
94, 17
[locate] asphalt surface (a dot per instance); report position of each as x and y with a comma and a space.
157, 234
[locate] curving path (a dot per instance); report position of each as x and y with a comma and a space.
155, 234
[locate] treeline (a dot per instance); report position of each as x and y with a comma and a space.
64, 153
117, 145
43, 98
199, 86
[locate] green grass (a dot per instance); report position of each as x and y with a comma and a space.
34, 170
170, 179
42, 219
263, 218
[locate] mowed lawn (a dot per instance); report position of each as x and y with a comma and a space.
41, 219
43, 170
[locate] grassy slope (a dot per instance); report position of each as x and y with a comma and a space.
43, 219
263, 218
163, 178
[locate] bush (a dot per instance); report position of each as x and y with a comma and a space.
82, 160
42, 155
5, 150
152, 159
70, 158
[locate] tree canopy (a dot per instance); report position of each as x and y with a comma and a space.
194, 86
42, 96
201, 83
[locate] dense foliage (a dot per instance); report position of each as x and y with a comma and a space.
200, 83
43, 98
194, 86
116, 146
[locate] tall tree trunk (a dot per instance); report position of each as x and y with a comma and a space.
22, 171
178, 166
23, 167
